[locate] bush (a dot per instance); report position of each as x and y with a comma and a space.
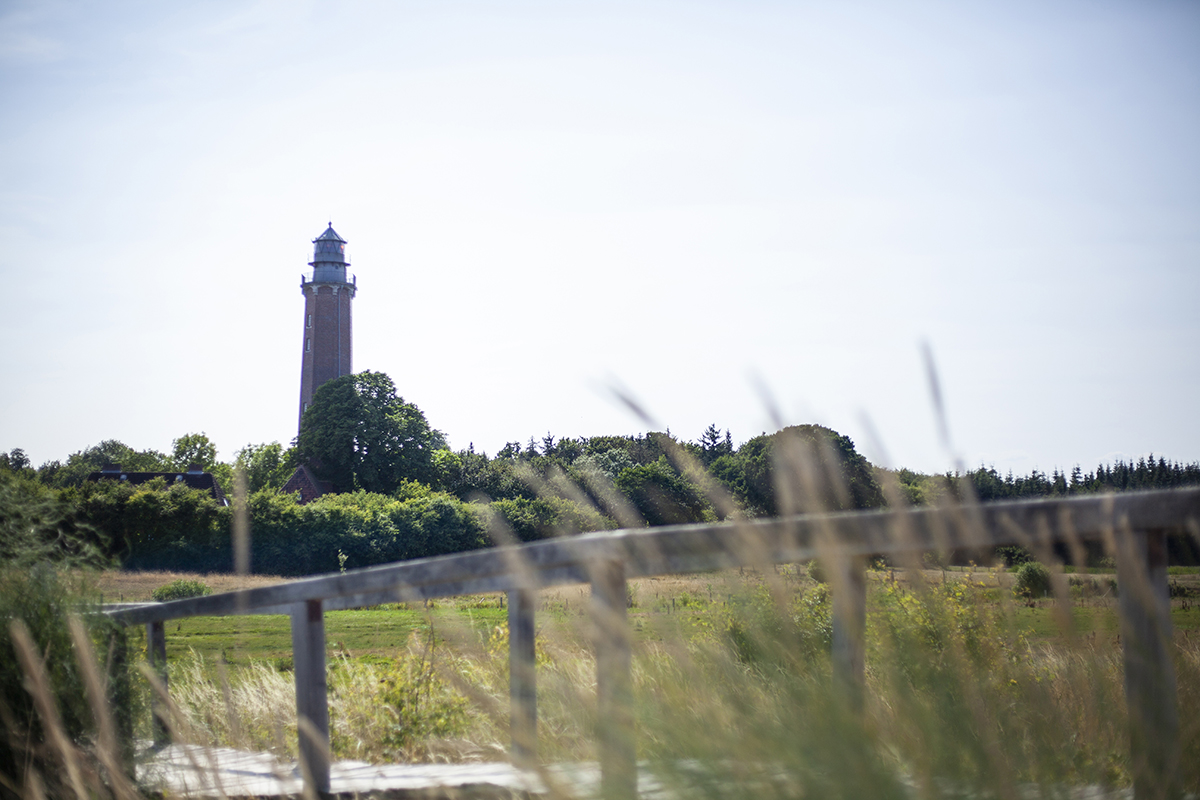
545, 517
1013, 555
157, 526
423, 703
38, 524
1033, 580
42, 598
180, 590
44, 555
661, 495
358, 529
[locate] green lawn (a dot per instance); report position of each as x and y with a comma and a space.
381, 632
360, 633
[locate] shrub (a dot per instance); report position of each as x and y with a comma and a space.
38, 524
1013, 555
933, 560
423, 703
42, 598
817, 572
156, 525
548, 516
362, 528
44, 554
1033, 580
180, 590
661, 495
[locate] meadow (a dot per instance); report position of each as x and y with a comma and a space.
968, 685
677, 600
977, 681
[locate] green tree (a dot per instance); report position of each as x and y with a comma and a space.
661, 495
15, 461
713, 446
79, 465
359, 434
193, 448
266, 466
545, 517
816, 468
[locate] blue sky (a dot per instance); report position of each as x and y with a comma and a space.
719, 208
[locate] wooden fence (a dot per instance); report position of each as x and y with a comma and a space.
1133, 527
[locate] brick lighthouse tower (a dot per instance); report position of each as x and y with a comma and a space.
327, 291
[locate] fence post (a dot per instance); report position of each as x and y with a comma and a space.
614, 685
1150, 695
849, 625
522, 677
120, 693
312, 706
156, 654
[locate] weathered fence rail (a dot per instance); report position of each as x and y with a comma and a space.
1134, 527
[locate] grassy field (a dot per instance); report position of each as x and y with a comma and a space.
661, 607
967, 684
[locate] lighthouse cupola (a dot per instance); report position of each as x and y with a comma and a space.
329, 257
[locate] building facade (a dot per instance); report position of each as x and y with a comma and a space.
328, 291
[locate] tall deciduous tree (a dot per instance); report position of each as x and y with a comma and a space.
358, 434
661, 495
799, 468
194, 448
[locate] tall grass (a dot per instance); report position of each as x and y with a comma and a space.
65, 700
737, 697
60, 673
735, 694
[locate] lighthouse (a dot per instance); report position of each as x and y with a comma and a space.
328, 291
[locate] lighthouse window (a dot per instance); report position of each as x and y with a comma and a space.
308, 345
309, 321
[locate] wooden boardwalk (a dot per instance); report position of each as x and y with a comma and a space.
194, 771
200, 772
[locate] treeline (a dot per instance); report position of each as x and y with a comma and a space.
660, 480
551, 487
264, 465
988, 484
163, 526
399, 492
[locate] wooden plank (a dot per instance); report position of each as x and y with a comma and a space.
522, 677
312, 705
614, 684
688, 548
1150, 690
156, 656
849, 582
